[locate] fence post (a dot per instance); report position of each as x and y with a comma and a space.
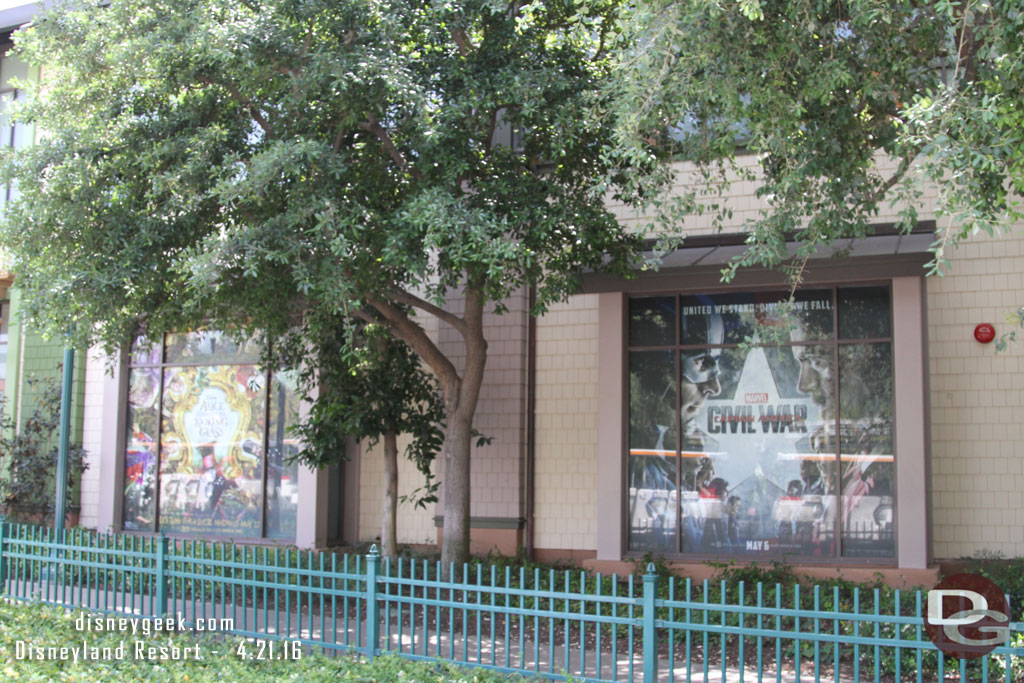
161, 575
372, 608
650, 634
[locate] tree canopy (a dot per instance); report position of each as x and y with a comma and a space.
822, 90
242, 162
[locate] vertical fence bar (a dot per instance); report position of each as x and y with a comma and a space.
508, 603
689, 633
372, 608
835, 632
465, 613
722, 642
597, 630
649, 633
584, 602
878, 650
740, 614
917, 634
760, 639
161, 576
706, 602
856, 632
386, 595
817, 629
494, 617
615, 633
778, 637
899, 637
631, 629
796, 631
3, 561
551, 621
671, 633
567, 624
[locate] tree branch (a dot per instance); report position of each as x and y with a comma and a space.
373, 127
340, 137
414, 335
412, 300
897, 175
462, 40
476, 351
253, 109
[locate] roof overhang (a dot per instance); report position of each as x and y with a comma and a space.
14, 14
699, 262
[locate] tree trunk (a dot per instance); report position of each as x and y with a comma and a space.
460, 406
461, 395
457, 444
389, 526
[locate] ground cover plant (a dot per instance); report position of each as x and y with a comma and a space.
45, 626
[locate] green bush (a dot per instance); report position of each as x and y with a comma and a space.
28, 455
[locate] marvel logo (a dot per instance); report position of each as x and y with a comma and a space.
755, 398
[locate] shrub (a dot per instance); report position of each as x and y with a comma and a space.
29, 455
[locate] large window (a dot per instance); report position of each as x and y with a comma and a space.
738, 448
13, 135
207, 440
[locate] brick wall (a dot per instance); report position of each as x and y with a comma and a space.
565, 511
495, 484
415, 524
977, 399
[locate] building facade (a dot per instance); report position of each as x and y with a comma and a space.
861, 427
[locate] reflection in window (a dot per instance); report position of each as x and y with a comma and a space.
15, 135
653, 448
780, 451
207, 443
865, 381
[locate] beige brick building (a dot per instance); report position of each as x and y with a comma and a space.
891, 464
638, 417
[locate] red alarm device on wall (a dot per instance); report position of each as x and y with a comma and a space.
984, 333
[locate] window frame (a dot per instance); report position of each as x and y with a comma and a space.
834, 342
123, 408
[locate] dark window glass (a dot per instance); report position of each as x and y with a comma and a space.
652, 321
864, 313
867, 453
282, 471
140, 463
652, 451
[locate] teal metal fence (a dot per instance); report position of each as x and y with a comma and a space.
554, 625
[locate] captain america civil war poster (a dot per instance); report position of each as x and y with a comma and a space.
783, 449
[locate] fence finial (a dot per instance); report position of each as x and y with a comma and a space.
650, 568
373, 550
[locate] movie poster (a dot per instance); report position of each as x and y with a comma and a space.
141, 449
765, 463
211, 450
